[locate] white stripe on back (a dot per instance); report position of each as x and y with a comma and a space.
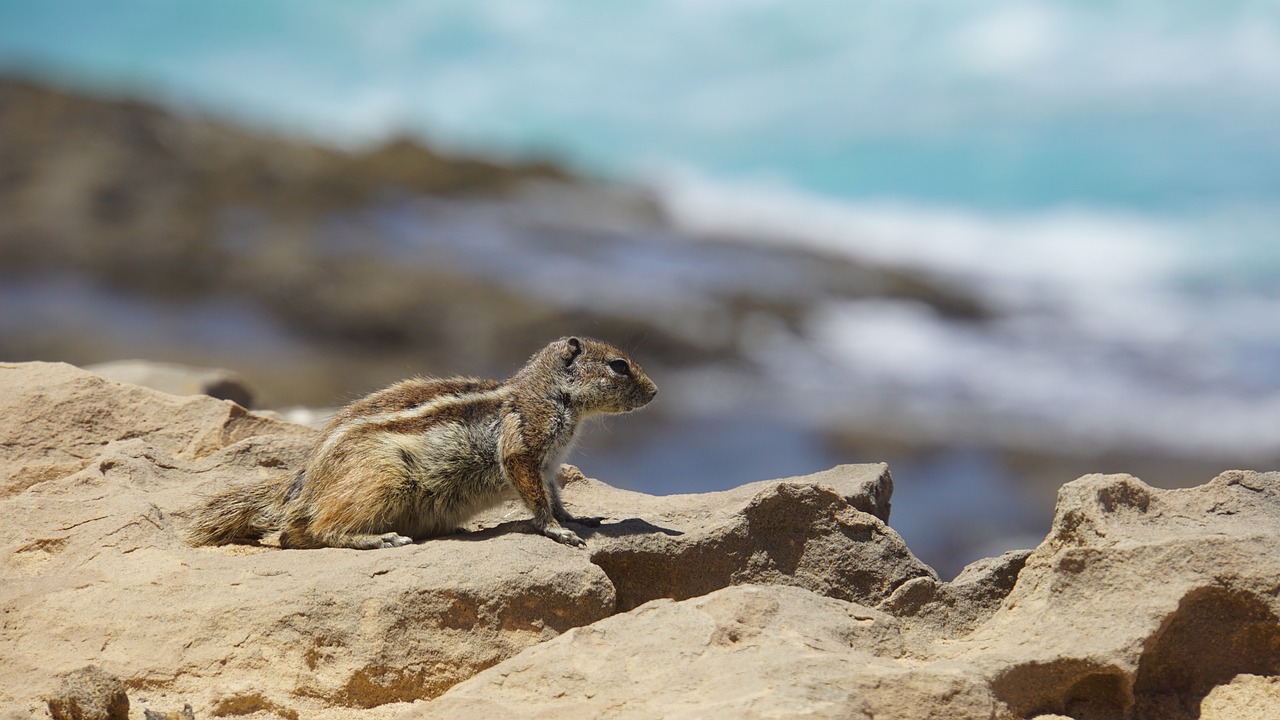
430, 407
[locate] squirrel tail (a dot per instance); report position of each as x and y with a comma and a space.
242, 514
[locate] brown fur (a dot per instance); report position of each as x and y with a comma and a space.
422, 456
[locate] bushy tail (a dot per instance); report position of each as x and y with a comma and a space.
242, 514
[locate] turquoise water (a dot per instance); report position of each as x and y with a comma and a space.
1156, 106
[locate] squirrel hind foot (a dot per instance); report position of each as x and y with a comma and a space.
355, 541
379, 542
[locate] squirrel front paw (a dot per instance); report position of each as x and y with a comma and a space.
563, 535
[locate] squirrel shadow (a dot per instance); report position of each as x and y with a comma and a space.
621, 528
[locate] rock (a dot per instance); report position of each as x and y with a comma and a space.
89, 694
1140, 604
1247, 697
955, 608
178, 379
815, 532
742, 652
57, 420
1140, 601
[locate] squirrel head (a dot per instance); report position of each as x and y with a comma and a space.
598, 377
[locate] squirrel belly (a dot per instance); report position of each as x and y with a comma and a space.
421, 457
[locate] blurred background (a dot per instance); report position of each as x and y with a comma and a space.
996, 244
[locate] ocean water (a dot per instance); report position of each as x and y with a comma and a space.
997, 105
1105, 175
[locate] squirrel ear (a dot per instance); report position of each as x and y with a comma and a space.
573, 348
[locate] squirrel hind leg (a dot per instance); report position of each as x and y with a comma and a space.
299, 538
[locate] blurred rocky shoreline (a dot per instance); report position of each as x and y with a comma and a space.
320, 272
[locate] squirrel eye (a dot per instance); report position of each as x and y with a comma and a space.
620, 367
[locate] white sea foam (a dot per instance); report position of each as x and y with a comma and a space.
1100, 338
1064, 246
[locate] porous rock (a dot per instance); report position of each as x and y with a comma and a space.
742, 652
89, 694
57, 419
1247, 697
1140, 604
825, 532
954, 608
1140, 601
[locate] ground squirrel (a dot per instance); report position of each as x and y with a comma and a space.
420, 457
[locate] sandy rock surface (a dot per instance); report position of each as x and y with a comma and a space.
1247, 697
1141, 603
782, 598
741, 652
825, 532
